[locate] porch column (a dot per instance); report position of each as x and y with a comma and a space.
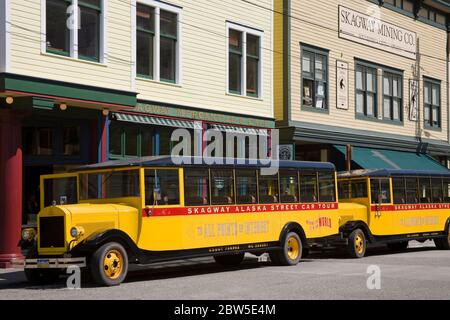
10, 187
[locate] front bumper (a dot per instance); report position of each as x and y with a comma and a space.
54, 263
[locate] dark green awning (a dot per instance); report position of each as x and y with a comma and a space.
388, 159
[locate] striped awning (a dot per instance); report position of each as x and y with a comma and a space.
240, 130
142, 119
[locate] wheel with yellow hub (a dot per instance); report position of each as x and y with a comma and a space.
357, 244
291, 252
109, 264
230, 260
443, 243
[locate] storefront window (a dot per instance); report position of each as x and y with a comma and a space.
38, 141
71, 141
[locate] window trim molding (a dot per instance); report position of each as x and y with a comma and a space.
362, 116
326, 53
5, 36
255, 32
157, 5
439, 83
73, 49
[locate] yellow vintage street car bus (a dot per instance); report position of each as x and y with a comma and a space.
150, 210
398, 206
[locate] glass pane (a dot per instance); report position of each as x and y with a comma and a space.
371, 80
145, 54
396, 110
58, 35
427, 113
427, 95
162, 187
440, 19
320, 89
168, 59
435, 92
435, 116
380, 189
359, 189
446, 190
308, 188
71, 141
398, 187
408, 6
359, 79
327, 188
109, 185
370, 105
235, 73
252, 45
308, 92
395, 86
268, 189
131, 136
235, 40
115, 139
246, 187
145, 17
289, 186
436, 190
45, 142
387, 108
387, 86
146, 143
252, 76
360, 103
61, 191
344, 190
411, 191
196, 186
168, 21
307, 61
222, 187
89, 33
424, 191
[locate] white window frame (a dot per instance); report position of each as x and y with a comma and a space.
158, 6
245, 30
103, 55
5, 27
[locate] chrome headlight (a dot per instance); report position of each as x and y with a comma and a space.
76, 232
28, 234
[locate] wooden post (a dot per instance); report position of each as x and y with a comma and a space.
348, 158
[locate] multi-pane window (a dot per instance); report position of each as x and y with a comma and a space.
162, 187
157, 41
86, 21
407, 5
314, 77
432, 103
58, 35
380, 191
366, 91
392, 96
244, 61
432, 15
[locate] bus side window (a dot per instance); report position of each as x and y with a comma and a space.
436, 190
196, 187
268, 189
308, 188
380, 189
344, 189
359, 189
446, 190
162, 187
425, 190
411, 191
398, 187
289, 186
222, 187
327, 187
246, 187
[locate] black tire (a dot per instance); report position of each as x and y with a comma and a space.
230, 260
443, 243
357, 244
109, 265
398, 246
290, 253
40, 276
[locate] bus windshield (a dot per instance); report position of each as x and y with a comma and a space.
109, 185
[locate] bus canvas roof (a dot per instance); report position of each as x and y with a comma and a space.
168, 161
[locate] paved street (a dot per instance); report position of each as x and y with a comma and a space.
421, 272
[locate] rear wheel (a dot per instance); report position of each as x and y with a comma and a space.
443, 243
109, 264
230, 260
357, 244
398, 246
291, 252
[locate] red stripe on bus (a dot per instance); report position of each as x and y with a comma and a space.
412, 207
236, 209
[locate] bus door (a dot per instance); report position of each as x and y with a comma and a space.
381, 209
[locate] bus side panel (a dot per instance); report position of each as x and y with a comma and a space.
418, 221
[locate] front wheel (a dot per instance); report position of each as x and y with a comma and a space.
443, 243
230, 260
291, 252
109, 265
357, 244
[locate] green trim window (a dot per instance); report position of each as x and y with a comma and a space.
89, 32
127, 141
432, 15
145, 40
406, 5
392, 97
244, 61
366, 91
432, 103
314, 79
168, 45
58, 35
